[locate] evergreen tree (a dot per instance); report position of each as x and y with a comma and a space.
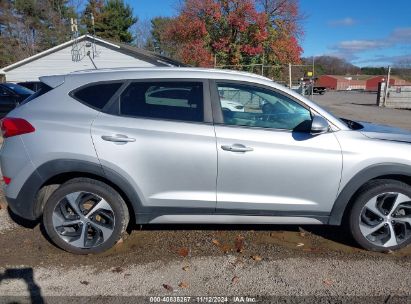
94, 8
113, 19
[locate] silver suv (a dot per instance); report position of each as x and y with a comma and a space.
93, 150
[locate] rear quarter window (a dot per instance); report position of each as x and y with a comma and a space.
96, 95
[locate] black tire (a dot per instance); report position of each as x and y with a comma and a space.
118, 214
369, 191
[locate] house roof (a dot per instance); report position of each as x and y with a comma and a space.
153, 58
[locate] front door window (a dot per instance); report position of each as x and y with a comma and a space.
245, 105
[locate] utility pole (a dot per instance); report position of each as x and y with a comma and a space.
313, 66
289, 75
387, 86
313, 79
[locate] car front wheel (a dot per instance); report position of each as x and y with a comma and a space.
85, 216
380, 219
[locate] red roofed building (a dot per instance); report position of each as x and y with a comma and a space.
341, 83
372, 83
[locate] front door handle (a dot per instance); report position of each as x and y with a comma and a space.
118, 138
237, 148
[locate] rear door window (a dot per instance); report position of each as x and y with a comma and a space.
182, 101
97, 95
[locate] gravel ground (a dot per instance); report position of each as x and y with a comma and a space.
174, 260
222, 276
6, 222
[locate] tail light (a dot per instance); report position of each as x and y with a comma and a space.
6, 180
15, 126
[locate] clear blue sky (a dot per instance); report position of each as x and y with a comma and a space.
365, 32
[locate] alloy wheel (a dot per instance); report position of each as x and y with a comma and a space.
83, 219
385, 220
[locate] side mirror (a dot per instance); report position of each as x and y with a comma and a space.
319, 125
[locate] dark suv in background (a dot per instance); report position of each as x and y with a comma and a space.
11, 95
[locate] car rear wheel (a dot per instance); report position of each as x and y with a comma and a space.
85, 216
380, 219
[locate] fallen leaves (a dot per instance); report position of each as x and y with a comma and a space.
84, 282
313, 250
223, 247
216, 242
168, 287
186, 268
328, 282
227, 246
183, 285
117, 270
239, 244
183, 252
235, 280
256, 258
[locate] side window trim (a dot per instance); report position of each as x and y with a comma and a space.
216, 103
113, 106
116, 99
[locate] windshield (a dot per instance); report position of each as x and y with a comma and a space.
18, 89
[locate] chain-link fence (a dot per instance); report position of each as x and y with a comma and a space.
284, 74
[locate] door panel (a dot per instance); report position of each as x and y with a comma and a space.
267, 159
285, 171
171, 163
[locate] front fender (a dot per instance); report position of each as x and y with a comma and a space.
365, 175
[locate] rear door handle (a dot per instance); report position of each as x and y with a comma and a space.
236, 148
118, 138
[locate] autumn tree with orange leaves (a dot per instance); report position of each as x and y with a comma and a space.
235, 32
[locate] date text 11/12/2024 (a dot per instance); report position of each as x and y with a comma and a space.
205, 299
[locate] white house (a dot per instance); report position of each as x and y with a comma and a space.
74, 55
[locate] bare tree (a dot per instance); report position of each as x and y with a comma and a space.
142, 33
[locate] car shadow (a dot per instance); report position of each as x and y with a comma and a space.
364, 104
335, 234
27, 276
21, 221
332, 233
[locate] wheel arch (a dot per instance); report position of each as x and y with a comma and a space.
57, 172
347, 196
